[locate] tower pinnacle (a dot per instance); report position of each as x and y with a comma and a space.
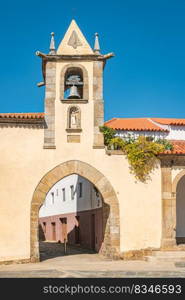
96, 44
52, 45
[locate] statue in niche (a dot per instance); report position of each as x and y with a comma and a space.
74, 118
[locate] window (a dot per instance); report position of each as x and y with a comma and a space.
52, 197
63, 194
80, 189
96, 191
63, 220
72, 192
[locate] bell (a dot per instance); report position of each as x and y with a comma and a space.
73, 94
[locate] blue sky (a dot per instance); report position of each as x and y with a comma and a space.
145, 79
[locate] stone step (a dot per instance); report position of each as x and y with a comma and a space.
156, 260
169, 253
166, 256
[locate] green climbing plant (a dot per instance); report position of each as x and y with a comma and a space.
108, 133
141, 152
165, 143
142, 157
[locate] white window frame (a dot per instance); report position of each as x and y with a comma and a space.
53, 197
80, 189
63, 194
72, 192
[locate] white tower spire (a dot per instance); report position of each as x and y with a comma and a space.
52, 45
96, 44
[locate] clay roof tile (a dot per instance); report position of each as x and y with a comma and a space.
166, 121
136, 124
22, 115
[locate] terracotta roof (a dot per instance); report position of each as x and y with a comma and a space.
33, 119
164, 121
137, 124
21, 115
178, 147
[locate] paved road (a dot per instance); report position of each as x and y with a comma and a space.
79, 263
51, 273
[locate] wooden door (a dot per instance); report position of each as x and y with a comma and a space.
53, 224
64, 228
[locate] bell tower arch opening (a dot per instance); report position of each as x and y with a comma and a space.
73, 83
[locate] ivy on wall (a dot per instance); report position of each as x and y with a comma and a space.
141, 152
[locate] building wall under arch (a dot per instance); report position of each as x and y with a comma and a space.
57, 203
81, 208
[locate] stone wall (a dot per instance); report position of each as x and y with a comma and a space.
50, 95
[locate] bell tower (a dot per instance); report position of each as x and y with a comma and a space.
73, 79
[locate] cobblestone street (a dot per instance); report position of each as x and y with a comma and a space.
79, 263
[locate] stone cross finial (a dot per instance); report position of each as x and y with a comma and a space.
96, 44
52, 45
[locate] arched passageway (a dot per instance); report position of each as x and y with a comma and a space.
71, 218
110, 210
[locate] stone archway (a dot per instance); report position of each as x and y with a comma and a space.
176, 180
177, 194
169, 201
111, 222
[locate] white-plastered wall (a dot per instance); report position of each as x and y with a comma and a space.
24, 162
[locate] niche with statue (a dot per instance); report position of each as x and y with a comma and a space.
74, 119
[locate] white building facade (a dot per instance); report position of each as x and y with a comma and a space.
73, 207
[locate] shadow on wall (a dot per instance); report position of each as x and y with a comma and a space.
41, 233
